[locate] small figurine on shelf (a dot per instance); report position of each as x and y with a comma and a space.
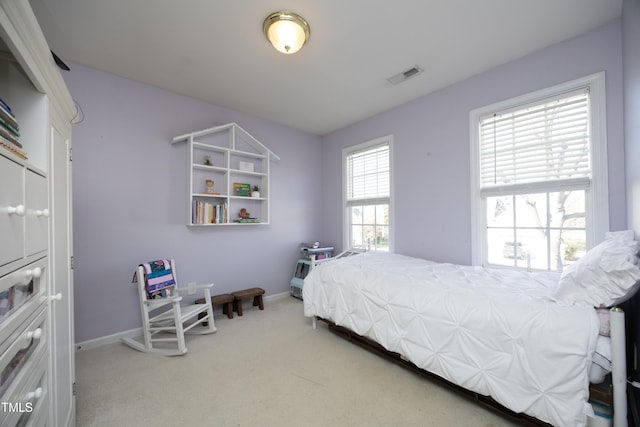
245, 217
207, 160
209, 184
255, 191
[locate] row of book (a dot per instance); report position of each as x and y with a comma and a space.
208, 213
10, 131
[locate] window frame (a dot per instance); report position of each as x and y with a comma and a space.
596, 197
346, 217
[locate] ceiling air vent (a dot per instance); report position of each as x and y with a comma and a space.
405, 75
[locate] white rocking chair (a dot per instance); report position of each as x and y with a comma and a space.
158, 290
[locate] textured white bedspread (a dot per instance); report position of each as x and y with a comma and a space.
496, 332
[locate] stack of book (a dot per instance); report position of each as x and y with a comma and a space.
247, 220
10, 131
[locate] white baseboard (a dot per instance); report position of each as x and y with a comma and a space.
117, 337
277, 296
108, 339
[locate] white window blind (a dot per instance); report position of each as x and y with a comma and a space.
367, 195
539, 176
368, 173
543, 143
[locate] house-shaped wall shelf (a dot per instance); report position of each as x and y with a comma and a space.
224, 166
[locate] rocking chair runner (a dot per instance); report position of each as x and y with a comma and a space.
162, 312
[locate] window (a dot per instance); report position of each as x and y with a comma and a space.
539, 179
367, 195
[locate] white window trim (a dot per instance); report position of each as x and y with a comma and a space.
346, 243
597, 202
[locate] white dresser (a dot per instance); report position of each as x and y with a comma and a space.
36, 293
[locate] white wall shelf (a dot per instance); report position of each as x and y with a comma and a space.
228, 155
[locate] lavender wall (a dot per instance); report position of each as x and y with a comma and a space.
431, 145
129, 181
129, 200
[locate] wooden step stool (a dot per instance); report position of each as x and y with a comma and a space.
225, 299
256, 293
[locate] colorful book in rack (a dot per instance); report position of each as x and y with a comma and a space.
4, 132
9, 133
13, 148
7, 115
13, 130
5, 106
208, 213
247, 220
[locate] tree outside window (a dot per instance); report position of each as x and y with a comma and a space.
539, 177
367, 179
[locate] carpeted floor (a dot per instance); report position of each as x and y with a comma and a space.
266, 368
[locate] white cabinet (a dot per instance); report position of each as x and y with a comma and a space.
24, 210
36, 212
23, 365
22, 292
11, 210
36, 286
61, 287
225, 164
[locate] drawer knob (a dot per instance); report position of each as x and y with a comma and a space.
56, 297
17, 210
31, 273
43, 212
36, 334
37, 393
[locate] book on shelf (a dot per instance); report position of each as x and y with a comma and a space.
9, 133
4, 132
10, 146
7, 115
247, 220
208, 213
12, 129
5, 105
241, 189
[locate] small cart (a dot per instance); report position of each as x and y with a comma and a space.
304, 264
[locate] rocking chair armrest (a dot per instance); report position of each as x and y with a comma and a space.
155, 303
186, 288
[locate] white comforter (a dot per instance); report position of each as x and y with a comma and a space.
496, 332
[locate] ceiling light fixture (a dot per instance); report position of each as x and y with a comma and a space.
287, 31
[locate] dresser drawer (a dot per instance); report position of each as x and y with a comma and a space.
37, 213
21, 292
28, 405
21, 354
12, 210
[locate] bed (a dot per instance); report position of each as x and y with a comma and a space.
526, 339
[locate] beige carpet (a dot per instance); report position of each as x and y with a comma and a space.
266, 368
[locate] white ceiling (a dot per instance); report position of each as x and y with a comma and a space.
215, 50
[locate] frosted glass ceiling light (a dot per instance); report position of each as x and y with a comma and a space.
287, 31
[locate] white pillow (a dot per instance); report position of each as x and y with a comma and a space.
607, 275
625, 235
